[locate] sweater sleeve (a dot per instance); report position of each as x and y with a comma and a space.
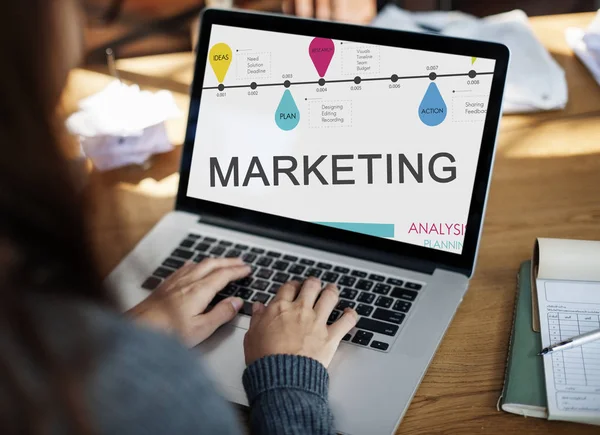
288, 395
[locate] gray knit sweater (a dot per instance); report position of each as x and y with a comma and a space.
145, 382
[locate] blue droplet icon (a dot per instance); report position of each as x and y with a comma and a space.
432, 110
287, 115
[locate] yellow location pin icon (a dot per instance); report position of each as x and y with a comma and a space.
220, 59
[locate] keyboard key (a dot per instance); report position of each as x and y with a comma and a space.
200, 257
297, 269
343, 304
264, 273
241, 247
307, 262
273, 254
187, 243
193, 236
281, 277
347, 280
217, 250
248, 258
362, 337
348, 293
378, 278
409, 295
300, 279
384, 302
347, 337
364, 310
274, 287
151, 283
244, 293
280, 265
244, 282
233, 253
260, 284
290, 258
382, 289
413, 286
229, 290
377, 326
210, 240
218, 298
246, 308
394, 281
359, 273
225, 243
182, 253
163, 272
341, 269
388, 316
401, 306
325, 266
261, 297
363, 284
334, 316
379, 345
313, 272
366, 297
202, 247
257, 250
329, 277
264, 261
173, 263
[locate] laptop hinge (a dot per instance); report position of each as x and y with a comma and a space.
326, 245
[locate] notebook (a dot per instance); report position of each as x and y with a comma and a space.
524, 392
568, 297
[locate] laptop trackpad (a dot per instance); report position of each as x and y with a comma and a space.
223, 353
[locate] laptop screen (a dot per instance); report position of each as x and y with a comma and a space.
372, 139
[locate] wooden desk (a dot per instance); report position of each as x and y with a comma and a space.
546, 183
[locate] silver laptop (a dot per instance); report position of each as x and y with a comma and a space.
357, 155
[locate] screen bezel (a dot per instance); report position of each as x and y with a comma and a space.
285, 228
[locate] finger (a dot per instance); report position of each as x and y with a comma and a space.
199, 295
175, 276
304, 8
310, 292
323, 11
287, 292
288, 7
208, 266
343, 325
327, 302
223, 312
257, 310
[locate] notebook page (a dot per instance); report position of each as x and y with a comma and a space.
567, 309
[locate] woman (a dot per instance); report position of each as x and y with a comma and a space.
69, 362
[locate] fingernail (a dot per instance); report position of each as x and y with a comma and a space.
237, 303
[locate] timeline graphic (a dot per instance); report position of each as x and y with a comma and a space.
432, 109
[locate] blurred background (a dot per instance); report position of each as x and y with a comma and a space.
143, 27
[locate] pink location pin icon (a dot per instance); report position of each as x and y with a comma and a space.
321, 52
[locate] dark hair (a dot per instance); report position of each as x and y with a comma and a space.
44, 245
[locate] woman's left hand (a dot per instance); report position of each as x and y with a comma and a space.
178, 304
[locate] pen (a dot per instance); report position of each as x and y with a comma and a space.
110, 60
570, 343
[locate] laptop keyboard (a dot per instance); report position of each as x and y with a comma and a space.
382, 302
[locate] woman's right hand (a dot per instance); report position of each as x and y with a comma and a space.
295, 323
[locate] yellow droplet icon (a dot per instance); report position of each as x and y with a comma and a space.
220, 59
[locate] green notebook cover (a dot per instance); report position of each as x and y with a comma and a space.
524, 391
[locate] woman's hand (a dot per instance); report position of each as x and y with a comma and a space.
351, 11
294, 324
177, 305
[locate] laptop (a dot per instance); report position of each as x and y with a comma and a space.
357, 155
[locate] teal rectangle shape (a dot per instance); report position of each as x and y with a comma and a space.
370, 229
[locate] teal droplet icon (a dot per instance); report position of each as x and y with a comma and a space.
287, 115
432, 110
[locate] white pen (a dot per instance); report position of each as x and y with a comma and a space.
570, 343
